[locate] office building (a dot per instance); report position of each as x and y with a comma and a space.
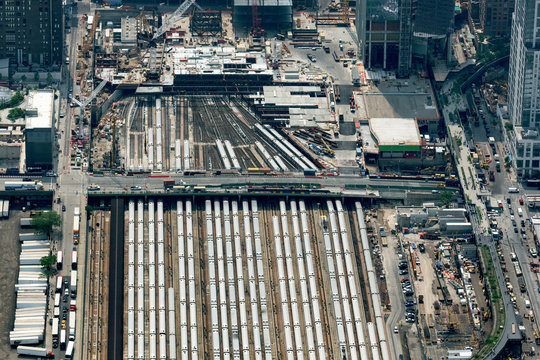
269, 14
39, 130
433, 18
524, 89
496, 17
31, 31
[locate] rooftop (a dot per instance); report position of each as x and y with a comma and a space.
263, 2
40, 108
217, 60
395, 131
401, 105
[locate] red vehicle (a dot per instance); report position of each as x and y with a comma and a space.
78, 81
520, 201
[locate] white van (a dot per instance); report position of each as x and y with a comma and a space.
520, 212
513, 190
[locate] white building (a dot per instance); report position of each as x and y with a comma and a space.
524, 88
39, 130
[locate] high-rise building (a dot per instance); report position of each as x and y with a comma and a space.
31, 31
524, 88
433, 18
387, 29
496, 17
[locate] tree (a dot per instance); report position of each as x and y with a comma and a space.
446, 198
47, 265
23, 78
508, 126
36, 76
44, 222
49, 78
89, 210
15, 114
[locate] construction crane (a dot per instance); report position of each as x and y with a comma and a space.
345, 11
90, 38
255, 19
175, 16
144, 31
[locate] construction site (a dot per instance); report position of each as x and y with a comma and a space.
190, 94
220, 277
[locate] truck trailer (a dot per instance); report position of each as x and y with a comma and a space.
34, 351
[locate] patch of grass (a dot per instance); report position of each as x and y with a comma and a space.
472, 179
464, 179
479, 212
497, 303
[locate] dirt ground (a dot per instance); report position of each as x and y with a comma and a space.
9, 262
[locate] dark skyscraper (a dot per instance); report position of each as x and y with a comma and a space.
31, 31
434, 17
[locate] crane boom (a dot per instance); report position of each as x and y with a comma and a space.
173, 18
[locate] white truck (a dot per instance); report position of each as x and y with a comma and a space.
72, 325
73, 283
34, 351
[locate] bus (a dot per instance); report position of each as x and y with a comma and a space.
55, 328
74, 259
533, 183
62, 339
73, 283
69, 350
59, 283
336, 57
76, 225
57, 299
59, 259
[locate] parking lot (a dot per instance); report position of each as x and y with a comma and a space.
9, 261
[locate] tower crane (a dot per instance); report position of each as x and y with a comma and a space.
175, 16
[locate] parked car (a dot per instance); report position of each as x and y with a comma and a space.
409, 303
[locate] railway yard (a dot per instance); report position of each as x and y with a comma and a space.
179, 133
222, 277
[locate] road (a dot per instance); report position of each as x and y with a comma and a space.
499, 190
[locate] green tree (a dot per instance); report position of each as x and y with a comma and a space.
49, 78
508, 126
44, 222
48, 264
15, 114
36, 76
447, 197
89, 210
23, 78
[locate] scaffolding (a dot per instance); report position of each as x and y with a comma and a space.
405, 39
206, 23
